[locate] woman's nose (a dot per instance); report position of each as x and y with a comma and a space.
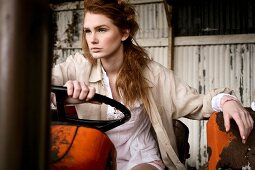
94, 38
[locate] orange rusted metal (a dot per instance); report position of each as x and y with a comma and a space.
81, 148
225, 149
216, 140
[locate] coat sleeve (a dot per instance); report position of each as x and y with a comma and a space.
186, 101
65, 71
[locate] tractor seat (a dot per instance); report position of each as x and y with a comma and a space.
182, 135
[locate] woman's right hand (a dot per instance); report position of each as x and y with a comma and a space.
79, 90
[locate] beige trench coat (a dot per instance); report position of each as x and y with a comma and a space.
169, 98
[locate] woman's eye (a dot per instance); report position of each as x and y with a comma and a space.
86, 31
102, 30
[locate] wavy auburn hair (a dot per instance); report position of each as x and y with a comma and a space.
130, 83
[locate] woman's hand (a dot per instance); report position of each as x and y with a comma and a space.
79, 90
233, 109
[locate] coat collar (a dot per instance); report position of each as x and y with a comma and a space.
96, 72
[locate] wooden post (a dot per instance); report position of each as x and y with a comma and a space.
25, 80
168, 10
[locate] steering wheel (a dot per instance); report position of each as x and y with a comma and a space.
102, 125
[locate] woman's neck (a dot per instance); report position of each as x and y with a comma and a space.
112, 65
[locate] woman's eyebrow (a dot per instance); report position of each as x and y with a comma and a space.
99, 26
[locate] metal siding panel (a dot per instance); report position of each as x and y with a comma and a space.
186, 67
194, 141
137, 9
155, 21
153, 24
158, 54
146, 21
152, 21
217, 66
203, 145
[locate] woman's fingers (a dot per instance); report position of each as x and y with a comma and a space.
243, 119
226, 122
252, 123
83, 91
249, 121
70, 87
239, 122
242, 125
91, 93
79, 90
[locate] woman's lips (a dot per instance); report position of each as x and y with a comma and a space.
94, 50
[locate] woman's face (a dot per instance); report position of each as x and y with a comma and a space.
104, 39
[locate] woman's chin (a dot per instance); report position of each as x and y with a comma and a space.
96, 56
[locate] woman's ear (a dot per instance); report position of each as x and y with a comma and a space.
125, 34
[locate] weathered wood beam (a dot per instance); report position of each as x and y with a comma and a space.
168, 10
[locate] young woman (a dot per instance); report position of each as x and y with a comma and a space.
115, 66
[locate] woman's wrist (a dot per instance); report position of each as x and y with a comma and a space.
226, 98
220, 99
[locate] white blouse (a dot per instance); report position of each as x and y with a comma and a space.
133, 140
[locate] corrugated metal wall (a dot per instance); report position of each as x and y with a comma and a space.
217, 66
210, 66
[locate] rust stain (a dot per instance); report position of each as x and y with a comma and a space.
226, 150
61, 140
217, 139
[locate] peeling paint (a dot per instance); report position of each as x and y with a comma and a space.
204, 73
241, 89
231, 62
219, 66
200, 88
